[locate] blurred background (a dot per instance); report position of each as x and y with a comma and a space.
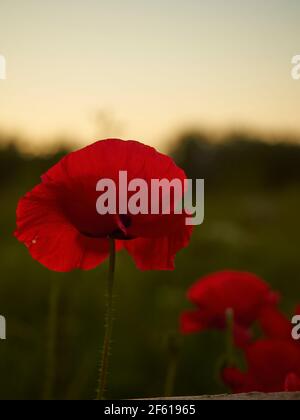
208, 82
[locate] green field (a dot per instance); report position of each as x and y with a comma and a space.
251, 223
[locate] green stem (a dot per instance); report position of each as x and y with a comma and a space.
51, 342
109, 318
173, 352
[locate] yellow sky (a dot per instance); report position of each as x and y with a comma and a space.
139, 69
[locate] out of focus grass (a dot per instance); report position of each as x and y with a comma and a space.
252, 210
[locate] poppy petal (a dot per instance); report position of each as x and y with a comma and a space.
190, 322
270, 361
242, 336
274, 323
158, 253
243, 292
51, 239
292, 383
236, 380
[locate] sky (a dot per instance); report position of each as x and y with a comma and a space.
147, 69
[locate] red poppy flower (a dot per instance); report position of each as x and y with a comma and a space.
292, 383
244, 293
273, 366
60, 226
275, 324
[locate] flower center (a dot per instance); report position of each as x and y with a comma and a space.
121, 234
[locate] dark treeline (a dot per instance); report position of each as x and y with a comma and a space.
235, 162
239, 161
16, 166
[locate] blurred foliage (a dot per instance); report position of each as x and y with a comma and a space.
252, 209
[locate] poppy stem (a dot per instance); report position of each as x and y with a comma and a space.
51, 341
173, 361
109, 318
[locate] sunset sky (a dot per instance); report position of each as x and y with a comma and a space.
146, 69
